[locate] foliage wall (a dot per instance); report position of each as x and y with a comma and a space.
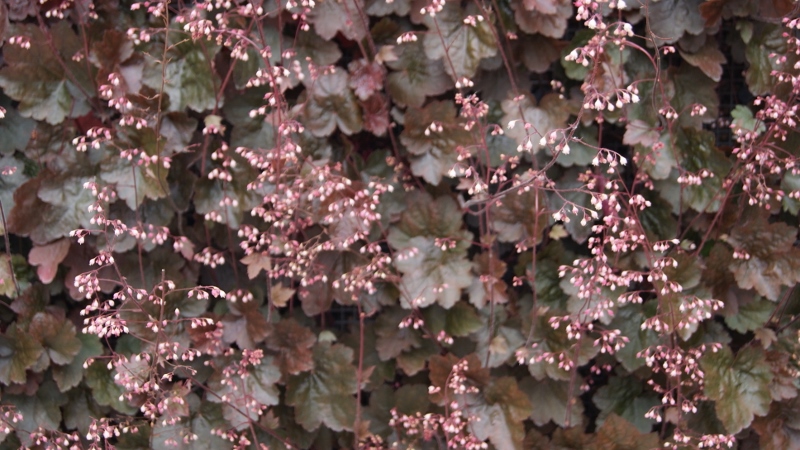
393, 224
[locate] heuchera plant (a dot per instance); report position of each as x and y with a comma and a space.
375, 224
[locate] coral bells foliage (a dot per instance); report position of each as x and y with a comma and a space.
384, 224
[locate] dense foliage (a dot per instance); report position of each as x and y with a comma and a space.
399, 224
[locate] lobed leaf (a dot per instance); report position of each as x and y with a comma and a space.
738, 384
18, 352
243, 398
45, 80
324, 395
332, 104
773, 260
461, 46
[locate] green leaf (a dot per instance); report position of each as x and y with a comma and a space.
433, 153
80, 411
572, 69
625, 397
556, 341
210, 196
173, 410
751, 316
40, 410
501, 413
743, 120
431, 275
204, 422
36, 78
104, 390
198, 427
414, 361
638, 131
790, 183
136, 441
600, 306
688, 272
670, 19
692, 87
536, 121
767, 40
497, 344
244, 396
268, 35
324, 395
745, 29
413, 78
658, 161
643, 111
699, 152
616, 433
307, 46
546, 280
9, 184
460, 45
190, 79
18, 352
70, 375
134, 182
569, 189
628, 320
409, 399
773, 260
707, 332
249, 132
16, 131
658, 222
582, 151
549, 400
739, 385
49, 206
462, 320
310, 46
331, 104
57, 335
